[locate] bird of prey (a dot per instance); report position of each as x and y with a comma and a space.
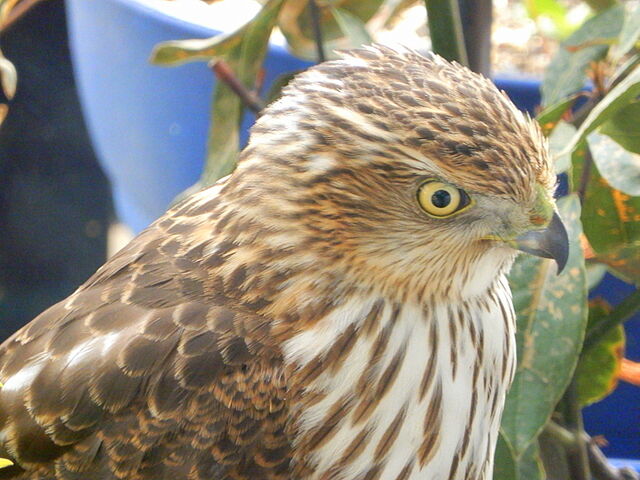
337, 308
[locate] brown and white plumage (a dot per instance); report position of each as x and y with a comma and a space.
305, 318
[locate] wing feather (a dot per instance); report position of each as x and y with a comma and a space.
145, 372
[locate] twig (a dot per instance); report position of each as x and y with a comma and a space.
225, 74
317, 30
601, 469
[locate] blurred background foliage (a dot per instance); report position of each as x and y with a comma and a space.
571, 349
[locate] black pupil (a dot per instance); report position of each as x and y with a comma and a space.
441, 198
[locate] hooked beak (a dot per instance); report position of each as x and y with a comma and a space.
552, 242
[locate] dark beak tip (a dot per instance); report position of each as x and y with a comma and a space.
552, 242
561, 250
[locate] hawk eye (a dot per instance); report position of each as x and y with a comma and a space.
440, 199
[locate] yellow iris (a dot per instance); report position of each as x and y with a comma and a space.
440, 199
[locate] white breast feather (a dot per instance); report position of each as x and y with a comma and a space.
411, 332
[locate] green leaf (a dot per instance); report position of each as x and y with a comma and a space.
566, 73
624, 127
611, 221
552, 316
622, 70
618, 98
620, 167
550, 116
295, 23
352, 27
526, 467
597, 371
445, 30
177, 52
558, 141
623, 261
245, 59
629, 35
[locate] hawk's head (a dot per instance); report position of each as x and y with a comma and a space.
405, 172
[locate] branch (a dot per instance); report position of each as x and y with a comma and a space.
601, 469
225, 74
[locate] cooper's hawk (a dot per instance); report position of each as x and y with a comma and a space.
337, 308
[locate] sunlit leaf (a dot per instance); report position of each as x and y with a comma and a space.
352, 27
552, 317
566, 73
296, 25
558, 140
8, 77
598, 367
623, 69
177, 52
620, 167
629, 36
618, 98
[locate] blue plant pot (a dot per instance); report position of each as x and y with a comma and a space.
148, 123
149, 128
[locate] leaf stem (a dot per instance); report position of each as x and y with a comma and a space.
317, 30
618, 315
561, 434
